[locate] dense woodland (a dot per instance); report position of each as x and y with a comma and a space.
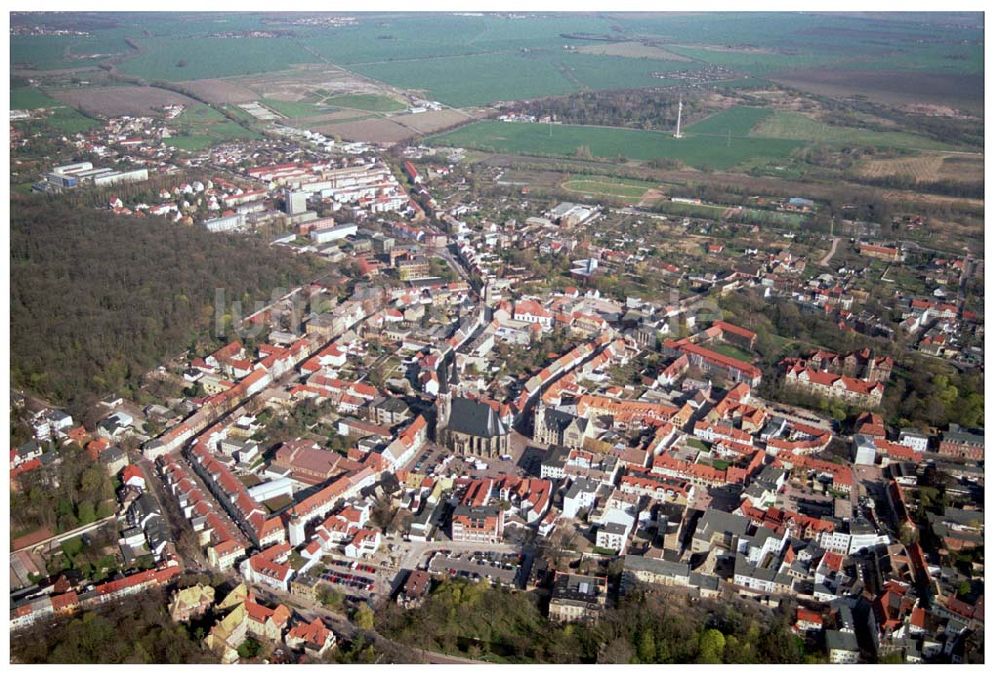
139, 631
97, 300
636, 108
492, 624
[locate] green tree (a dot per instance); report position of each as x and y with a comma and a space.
711, 646
250, 648
86, 513
646, 649
364, 617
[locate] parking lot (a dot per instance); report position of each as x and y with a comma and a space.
354, 577
500, 568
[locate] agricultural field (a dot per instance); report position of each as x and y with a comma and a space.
476, 60
929, 167
431, 121
30, 98
193, 58
738, 121
797, 126
703, 152
634, 50
890, 87
50, 52
374, 130
62, 117
220, 91
477, 79
117, 101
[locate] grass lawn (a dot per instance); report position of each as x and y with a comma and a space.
369, 102
732, 351
697, 444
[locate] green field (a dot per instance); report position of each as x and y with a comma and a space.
62, 117
200, 127
692, 210
479, 79
705, 152
480, 59
175, 60
732, 351
793, 125
70, 120
738, 121
31, 98
370, 102
609, 187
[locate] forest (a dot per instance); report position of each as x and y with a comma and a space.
635, 108
139, 631
97, 300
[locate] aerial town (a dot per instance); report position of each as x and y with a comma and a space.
470, 386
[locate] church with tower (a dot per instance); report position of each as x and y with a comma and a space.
467, 426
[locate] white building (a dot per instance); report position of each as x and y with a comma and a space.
334, 233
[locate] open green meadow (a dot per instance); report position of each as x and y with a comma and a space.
62, 117
737, 121
194, 58
704, 152
200, 127
31, 98
369, 102
794, 125
70, 120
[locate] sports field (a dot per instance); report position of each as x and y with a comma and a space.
622, 188
704, 152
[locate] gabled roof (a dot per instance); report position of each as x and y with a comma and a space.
475, 418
